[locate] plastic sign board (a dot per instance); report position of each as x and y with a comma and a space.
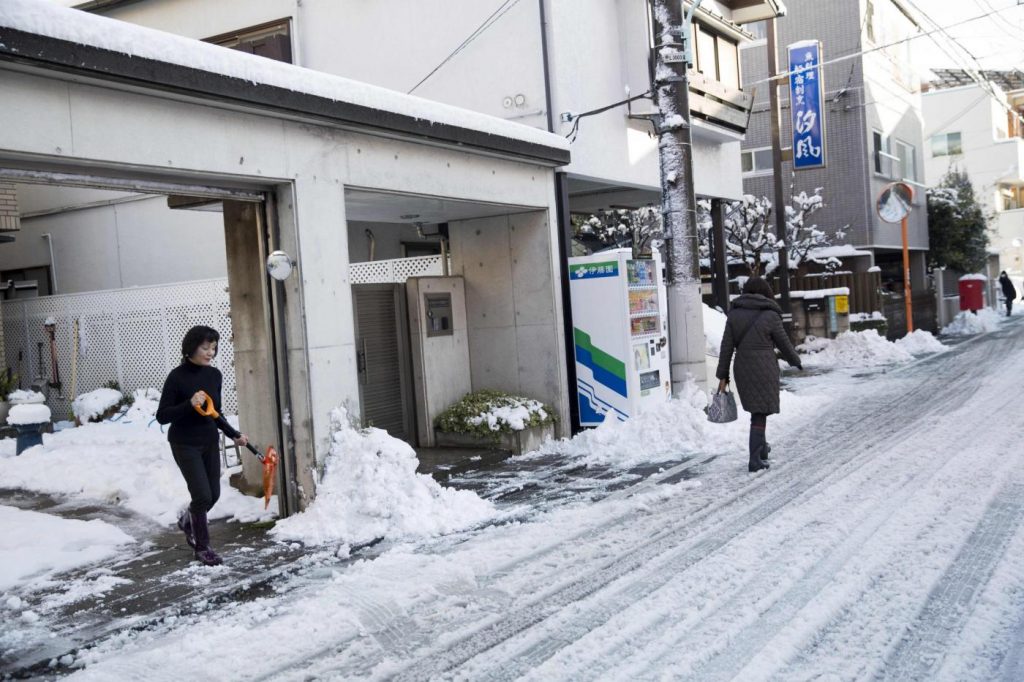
843, 305
807, 105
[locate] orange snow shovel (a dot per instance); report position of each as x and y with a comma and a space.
269, 458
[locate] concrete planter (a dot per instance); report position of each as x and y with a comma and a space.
516, 442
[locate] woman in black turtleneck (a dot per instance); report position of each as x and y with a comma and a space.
193, 437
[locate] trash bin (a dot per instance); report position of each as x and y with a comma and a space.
972, 292
29, 420
29, 435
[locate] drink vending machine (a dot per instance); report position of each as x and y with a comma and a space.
620, 319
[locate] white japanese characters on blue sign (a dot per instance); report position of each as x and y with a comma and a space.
805, 98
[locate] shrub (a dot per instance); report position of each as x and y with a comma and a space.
492, 413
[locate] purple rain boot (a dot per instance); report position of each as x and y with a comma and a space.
185, 526
202, 535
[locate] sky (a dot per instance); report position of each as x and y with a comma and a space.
997, 40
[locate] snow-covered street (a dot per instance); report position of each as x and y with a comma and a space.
883, 543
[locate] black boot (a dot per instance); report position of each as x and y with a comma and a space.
185, 526
767, 449
757, 460
201, 533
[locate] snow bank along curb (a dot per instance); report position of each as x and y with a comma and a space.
370, 490
866, 349
967, 323
35, 545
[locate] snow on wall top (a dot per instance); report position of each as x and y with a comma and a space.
820, 293
44, 18
974, 277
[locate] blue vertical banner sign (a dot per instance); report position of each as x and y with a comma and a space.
806, 104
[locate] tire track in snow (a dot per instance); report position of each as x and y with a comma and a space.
921, 651
721, 532
570, 627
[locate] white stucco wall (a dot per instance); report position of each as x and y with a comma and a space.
135, 243
596, 49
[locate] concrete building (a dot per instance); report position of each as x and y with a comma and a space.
550, 65
970, 130
873, 126
290, 156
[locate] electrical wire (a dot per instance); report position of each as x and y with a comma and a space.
497, 14
574, 131
853, 55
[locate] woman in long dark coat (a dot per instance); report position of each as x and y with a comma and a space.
754, 330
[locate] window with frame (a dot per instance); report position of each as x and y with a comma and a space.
271, 40
756, 161
907, 163
946, 144
869, 20
717, 56
1012, 197
882, 148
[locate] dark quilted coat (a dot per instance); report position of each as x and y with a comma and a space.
757, 369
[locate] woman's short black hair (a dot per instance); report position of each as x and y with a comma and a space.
195, 337
758, 285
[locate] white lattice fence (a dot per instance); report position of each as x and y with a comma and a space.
396, 270
132, 336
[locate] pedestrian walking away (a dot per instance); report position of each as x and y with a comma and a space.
194, 438
1009, 291
753, 331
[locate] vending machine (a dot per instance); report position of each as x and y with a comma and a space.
620, 319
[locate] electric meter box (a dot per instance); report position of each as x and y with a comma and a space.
620, 320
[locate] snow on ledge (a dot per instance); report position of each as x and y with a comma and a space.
820, 293
842, 251
974, 277
47, 19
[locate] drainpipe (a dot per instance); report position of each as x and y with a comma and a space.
563, 224
53, 263
373, 244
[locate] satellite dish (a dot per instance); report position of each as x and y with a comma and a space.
895, 202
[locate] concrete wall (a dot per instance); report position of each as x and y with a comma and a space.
133, 240
515, 326
307, 168
438, 362
596, 49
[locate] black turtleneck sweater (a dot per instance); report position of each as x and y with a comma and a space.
188, 426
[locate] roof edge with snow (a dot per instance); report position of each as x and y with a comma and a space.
56, 54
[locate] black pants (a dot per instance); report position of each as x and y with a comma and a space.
200, 465
758, 423
1009, 306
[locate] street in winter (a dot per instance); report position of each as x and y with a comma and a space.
543, 340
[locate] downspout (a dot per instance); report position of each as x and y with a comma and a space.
53, 263
564, 232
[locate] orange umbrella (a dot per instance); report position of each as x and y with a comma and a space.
269, 458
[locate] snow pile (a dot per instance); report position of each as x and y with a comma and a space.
920, 342
35, 545
123, 464
88, 406
370, 489
145, 401
968, 324
852, 349
26, 397
28, 414
714, 329
516, 414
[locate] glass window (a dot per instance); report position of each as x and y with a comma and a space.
758, 29
878, 147
728, 63
946, 144
907, 160
756, 160
706, 61
869, 19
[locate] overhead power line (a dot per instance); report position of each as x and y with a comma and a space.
497, 14
854, 55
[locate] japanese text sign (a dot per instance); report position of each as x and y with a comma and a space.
806, 105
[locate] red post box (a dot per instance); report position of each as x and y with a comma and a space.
972, 293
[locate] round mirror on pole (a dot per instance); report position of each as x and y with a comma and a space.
280, 265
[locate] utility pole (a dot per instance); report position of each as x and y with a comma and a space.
674, 53
780, 190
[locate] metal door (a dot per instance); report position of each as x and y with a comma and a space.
382, 352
